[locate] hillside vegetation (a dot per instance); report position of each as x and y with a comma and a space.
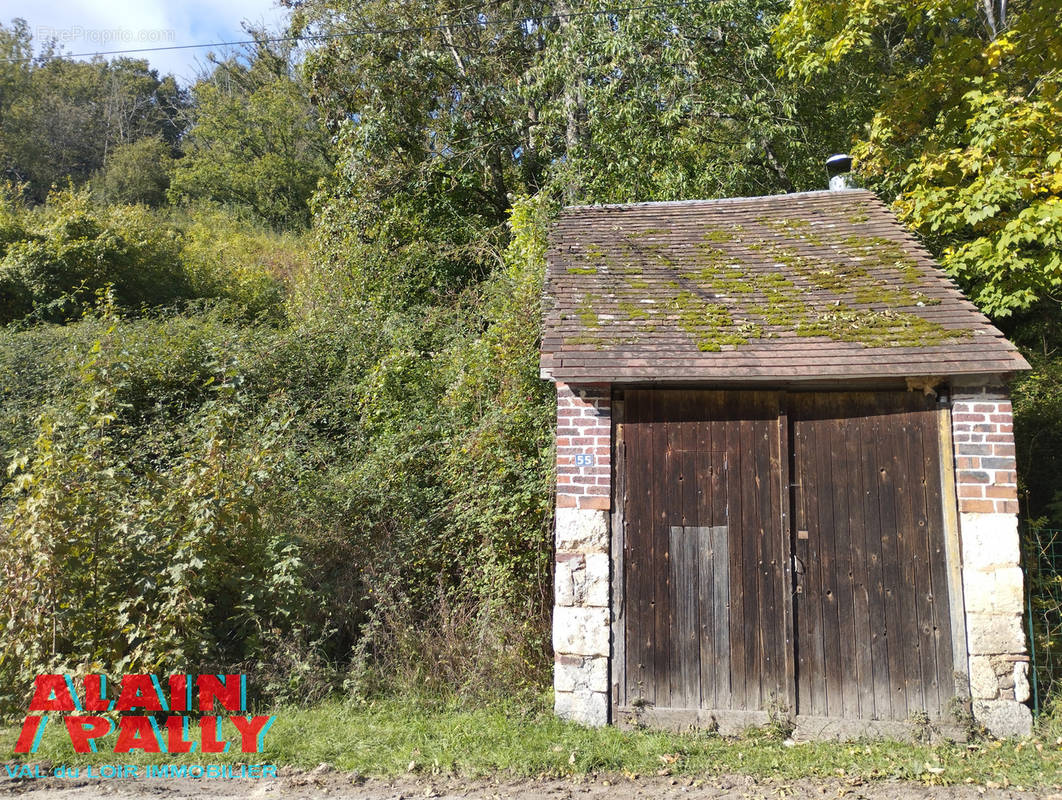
269, 392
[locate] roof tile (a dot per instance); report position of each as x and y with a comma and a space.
800, 286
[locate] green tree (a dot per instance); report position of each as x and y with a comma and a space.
60, 119
967, 133
432, 137
136, 172
254, 140
681, 102
16, 46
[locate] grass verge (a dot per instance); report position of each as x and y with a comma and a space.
393, 736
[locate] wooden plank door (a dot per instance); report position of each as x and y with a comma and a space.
873, 636
705, 555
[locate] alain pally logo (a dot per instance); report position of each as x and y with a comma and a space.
162, 724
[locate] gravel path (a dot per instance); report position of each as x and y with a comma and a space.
327, 782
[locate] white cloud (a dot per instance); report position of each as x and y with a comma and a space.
102, 25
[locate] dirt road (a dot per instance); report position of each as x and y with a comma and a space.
326, 782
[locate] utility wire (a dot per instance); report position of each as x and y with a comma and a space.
323, 37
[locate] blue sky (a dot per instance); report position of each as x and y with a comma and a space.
95, 25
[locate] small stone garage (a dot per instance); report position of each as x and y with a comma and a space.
785, 473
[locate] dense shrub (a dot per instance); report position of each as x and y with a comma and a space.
231, 257
121, 532
68, 250
56, 259
352, 491
462, 591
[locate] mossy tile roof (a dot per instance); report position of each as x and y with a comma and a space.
817, 285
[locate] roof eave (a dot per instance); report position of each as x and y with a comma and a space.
559, 374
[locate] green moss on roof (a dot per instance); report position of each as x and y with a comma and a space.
880, 293
853, 277
719, 235
709, 324
792, 228
584, 340
632, 311
713, 248
880, 252
876, 328
646, 232
719, 279
586, 311
784, 224
719, 303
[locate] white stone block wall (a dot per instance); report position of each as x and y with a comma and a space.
581, 628
986, 483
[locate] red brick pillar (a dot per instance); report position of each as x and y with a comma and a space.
584, 428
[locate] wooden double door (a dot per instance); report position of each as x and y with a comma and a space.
781, 551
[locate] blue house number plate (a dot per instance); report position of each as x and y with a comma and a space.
584, 460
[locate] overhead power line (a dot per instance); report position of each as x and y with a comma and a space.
322, 37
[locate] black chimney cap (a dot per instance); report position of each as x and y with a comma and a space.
838, 163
